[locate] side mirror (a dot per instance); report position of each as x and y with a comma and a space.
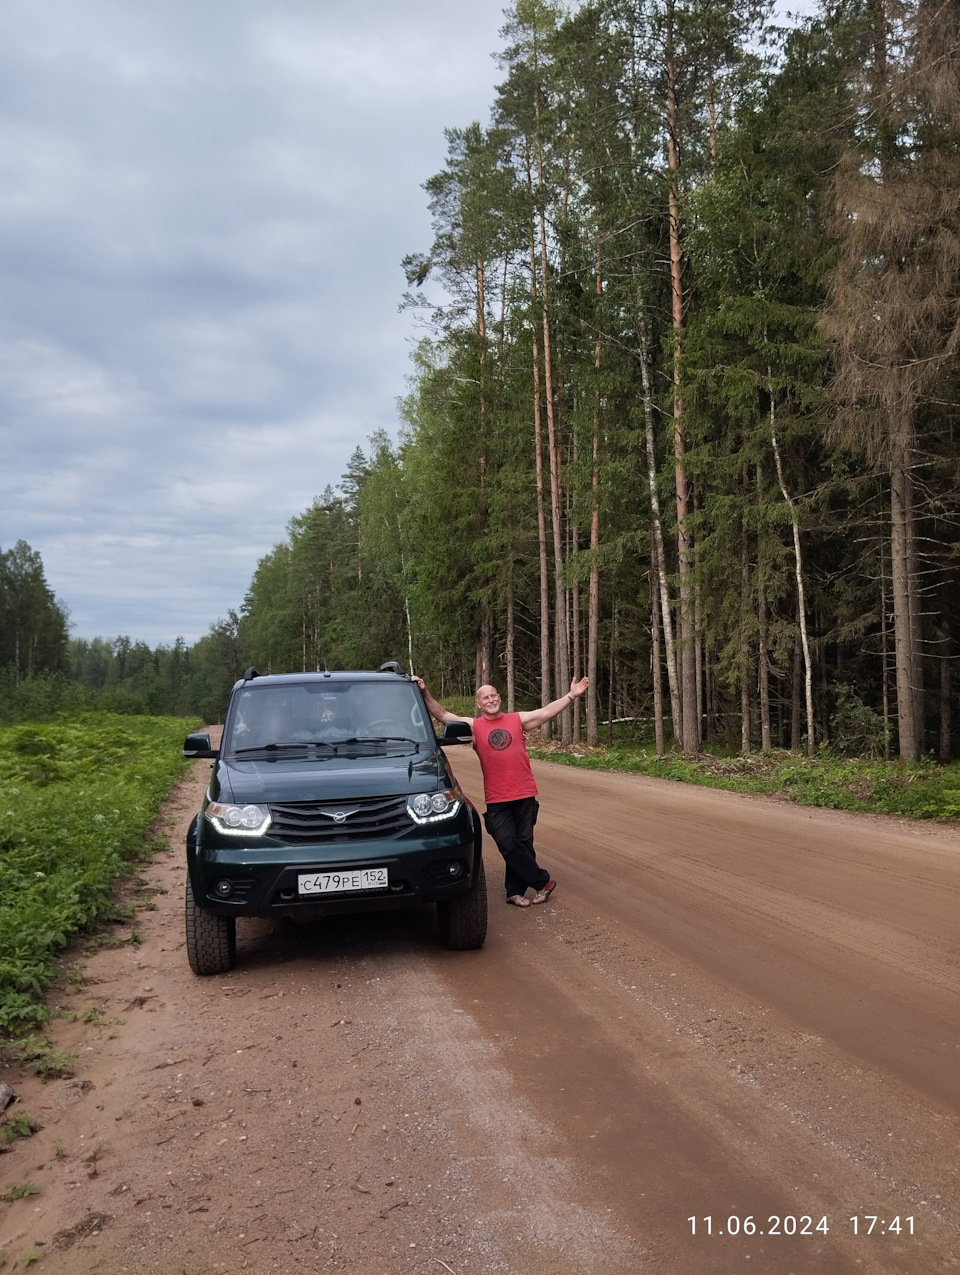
199, 746
457, 733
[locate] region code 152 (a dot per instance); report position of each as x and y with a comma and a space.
860, 1224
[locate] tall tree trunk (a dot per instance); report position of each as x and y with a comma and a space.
575, 635
541, 503
484, 670
763, 660
665, 613
656, 658
510, 646
612, 673
901, 534
798, 570
744, 639
885, 654
561, 654
796, 712
690, 725
943, 751
763, 667
916, 609
593, 616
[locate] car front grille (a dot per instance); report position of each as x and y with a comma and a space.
362, 819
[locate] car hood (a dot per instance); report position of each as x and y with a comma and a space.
330, 778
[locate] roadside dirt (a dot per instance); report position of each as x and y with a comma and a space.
731, 1009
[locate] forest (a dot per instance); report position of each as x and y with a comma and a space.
682, 413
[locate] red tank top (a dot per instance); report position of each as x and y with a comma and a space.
507, 774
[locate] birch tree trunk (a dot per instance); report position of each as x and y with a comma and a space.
798, 569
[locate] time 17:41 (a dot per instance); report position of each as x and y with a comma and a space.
866, 1225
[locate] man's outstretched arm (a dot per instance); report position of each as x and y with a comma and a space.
540, 716
435, 707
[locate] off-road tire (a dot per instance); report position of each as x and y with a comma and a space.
211, 939
463, 919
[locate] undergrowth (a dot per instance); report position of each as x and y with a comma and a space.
77, 798
919, 790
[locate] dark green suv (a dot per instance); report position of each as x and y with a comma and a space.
330, 793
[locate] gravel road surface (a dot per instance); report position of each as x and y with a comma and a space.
730, 1042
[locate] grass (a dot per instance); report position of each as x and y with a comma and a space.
920, 790
19, 1125
78, 797
19, 1190
41, 1057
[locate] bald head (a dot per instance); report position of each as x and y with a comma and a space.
488, 701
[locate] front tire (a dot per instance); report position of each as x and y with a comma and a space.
211, 939
463, 919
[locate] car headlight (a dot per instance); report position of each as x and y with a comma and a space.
238, 821
428, 807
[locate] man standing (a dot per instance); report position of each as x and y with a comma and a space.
509, 787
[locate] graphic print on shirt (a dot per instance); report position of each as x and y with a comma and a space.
500, 739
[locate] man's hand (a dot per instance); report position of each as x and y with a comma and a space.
434, 707
540, 716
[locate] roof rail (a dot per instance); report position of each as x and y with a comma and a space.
392, 666
250, 674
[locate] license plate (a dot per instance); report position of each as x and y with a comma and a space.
338, 882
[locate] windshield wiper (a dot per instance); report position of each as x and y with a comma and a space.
299, 746
383, 739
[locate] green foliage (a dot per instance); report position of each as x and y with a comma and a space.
76, 800
20, 1190
857, 731
922, 790
19, 1125
33, 625
41, 1057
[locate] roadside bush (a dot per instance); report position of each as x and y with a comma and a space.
77, 796
857, 731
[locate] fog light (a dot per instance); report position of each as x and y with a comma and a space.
453, 869
223, 889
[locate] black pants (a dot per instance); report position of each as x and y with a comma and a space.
510, 823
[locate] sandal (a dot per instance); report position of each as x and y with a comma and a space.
518, 900
541, 896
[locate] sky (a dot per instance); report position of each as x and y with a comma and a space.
203, 210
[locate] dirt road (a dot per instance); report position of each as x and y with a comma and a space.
728, 1041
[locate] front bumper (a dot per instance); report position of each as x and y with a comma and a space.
262, 877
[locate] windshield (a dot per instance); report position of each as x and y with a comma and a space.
329, 713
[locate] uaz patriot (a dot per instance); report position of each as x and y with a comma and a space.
330, 794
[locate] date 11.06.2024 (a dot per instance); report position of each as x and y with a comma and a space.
860, 1224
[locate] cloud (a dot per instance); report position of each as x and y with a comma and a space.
202, 213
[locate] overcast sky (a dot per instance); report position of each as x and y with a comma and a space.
203, 208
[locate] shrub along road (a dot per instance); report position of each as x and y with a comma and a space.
733, 1010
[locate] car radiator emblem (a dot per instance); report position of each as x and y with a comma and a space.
340, 816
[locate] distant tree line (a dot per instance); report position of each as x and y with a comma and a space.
685, 416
